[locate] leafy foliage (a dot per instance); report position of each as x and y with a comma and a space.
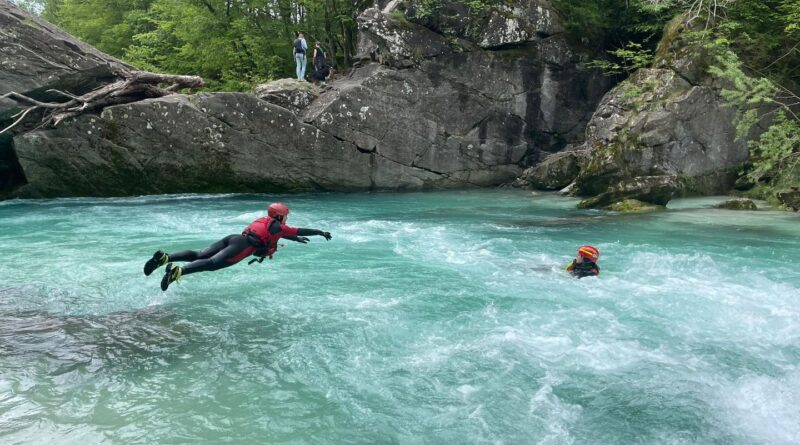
763, 89
775, 147
231, 43
627, 59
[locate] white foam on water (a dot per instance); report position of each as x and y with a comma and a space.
249, 217
553, 414
764, 409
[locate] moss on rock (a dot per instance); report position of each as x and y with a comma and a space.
634, 206
737, 204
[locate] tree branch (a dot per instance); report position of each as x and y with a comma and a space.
131, 86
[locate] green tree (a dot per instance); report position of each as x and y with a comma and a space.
231, 43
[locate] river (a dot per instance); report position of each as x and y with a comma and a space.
429, 318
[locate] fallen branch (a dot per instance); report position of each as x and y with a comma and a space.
130, 86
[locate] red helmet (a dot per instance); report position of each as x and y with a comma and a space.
278, 209
589, 252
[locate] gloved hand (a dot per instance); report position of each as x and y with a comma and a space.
327, 235
302, 239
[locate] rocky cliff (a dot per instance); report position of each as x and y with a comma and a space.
424, 109
664, 132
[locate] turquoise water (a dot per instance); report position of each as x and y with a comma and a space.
436, 318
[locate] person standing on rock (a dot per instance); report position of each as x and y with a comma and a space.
299, 49
319, 57
260, 238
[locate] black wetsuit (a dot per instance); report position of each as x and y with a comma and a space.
223, 253
230, 250
584, 269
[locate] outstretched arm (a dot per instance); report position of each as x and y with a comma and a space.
299, 239
312, 232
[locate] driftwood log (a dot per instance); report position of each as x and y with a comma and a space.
130, 86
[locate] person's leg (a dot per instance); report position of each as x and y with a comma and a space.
193, 255
236, 249
160, 258
298, 63
303, 67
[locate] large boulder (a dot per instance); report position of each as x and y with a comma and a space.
535, 92
669, 121
36, 58
220, 142
423, 110
650, 189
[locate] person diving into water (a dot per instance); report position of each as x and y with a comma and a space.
585, 262
260, 239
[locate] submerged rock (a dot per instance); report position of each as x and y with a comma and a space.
634, 206
737, 204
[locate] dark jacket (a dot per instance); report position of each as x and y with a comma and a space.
584, 269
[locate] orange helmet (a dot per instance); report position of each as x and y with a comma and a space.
278, 209
589, 252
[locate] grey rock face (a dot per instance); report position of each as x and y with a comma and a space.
669, 121
205, 142
35, 56
423, 111
518, 22
292, 94
503, 24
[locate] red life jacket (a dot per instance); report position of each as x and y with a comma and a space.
259, 229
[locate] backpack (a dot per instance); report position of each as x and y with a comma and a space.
298, 47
